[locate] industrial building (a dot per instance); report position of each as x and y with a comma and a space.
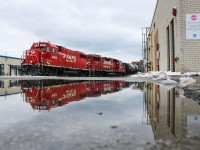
9, 65
172, 42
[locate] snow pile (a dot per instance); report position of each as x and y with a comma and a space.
146, 75
160, 77
142, 75
169, 81
156, 74
185, 81
169, 73
189, 74
164, 77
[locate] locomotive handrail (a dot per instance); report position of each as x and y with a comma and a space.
42, 60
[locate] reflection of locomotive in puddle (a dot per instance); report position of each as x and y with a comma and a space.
44, 95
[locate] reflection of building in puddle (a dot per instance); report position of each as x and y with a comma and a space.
138, 85
171, 115
8, 87
44, 95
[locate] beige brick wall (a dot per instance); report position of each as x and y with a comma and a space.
188, 51
162, 19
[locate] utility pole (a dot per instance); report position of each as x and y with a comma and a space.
145, 47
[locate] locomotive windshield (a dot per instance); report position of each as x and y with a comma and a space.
41, 46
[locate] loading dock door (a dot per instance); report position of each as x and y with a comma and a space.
168, 49
172, 46
13, 70
156, 51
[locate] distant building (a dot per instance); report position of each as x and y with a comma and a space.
9, 65
139, 65
172, 42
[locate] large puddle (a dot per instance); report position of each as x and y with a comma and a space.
95, 115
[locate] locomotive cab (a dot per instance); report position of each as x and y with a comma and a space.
44, 50
40, 54
33, 56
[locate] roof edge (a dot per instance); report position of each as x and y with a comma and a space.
1, 56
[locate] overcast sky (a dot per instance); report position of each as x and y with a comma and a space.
111, 28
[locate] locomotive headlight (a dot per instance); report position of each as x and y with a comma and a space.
31, 61
27, 52
32, 101
32, 52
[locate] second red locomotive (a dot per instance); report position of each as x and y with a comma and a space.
45, 58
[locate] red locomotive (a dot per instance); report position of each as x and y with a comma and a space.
45, 58
45, 97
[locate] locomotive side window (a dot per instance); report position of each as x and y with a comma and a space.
42, 45
54, 51
97, 58
82, 56
48, 49
59, 48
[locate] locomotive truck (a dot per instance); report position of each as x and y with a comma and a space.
45, 58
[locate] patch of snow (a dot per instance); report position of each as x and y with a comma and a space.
160, 77
142, 75
189, 74
169, 73
155, 74
169, 81
185, 81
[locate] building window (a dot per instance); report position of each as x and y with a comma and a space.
1, 69
1, 84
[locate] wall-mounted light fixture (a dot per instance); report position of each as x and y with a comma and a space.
174, 11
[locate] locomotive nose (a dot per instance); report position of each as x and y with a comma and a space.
31, 52
27, 52
32, 57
